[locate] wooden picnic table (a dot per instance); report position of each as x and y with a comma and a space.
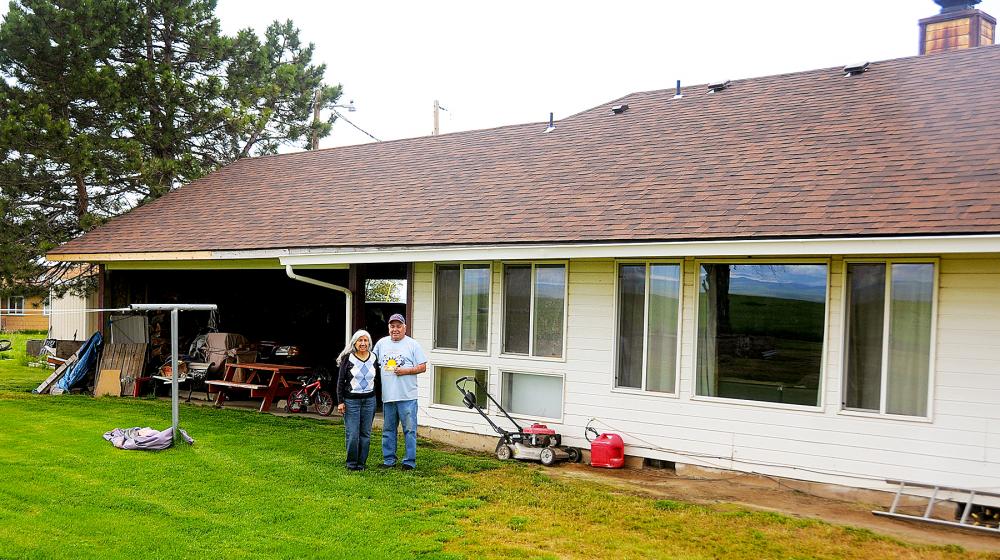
275, 386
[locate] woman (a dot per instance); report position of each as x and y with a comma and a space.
356, 395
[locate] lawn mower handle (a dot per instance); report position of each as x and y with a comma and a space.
469, 399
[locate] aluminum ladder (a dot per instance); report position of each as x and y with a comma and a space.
986, 518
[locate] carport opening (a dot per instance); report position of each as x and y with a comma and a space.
262, 305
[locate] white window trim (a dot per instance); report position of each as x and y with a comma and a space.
11, 309
531, 316
489, 308
645, 333
824, 353
433, 380
932, 355
520, 416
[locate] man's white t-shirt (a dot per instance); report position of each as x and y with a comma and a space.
391, 355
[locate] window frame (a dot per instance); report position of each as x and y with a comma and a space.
11, 308
489, 308
824, 353
645, 332
531, 316
501, 381
446, 364
884, 378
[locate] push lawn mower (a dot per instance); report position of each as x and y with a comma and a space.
536, 443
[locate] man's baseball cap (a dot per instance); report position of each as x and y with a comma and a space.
397, 317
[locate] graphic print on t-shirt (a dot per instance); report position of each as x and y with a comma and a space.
393, 361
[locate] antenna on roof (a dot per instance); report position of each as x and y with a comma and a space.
678, 94
552, 123
855, 69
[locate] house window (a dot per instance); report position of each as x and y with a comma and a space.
445, 391
15, 305
462, 306
532, 394
889, 325
761, 331
648, 312
534, 309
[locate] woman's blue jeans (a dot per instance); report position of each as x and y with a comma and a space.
358, 416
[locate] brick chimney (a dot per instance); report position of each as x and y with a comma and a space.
958, 26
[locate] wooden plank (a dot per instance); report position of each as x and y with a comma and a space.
235, 384
46, 385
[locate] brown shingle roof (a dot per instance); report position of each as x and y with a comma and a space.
912, 147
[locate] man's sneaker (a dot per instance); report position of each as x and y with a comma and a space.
408, 467
385, 466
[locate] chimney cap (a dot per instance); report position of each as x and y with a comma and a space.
956, 5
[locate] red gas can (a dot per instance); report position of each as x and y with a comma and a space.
608, 451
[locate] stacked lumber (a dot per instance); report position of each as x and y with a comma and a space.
128, 358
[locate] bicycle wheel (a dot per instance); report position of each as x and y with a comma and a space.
324, 403
291, 398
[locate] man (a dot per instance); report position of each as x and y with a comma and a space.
401, 359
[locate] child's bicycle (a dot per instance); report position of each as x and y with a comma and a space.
311, 393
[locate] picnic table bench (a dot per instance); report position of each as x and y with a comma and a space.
263, 381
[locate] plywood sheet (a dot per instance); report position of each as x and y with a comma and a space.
109, 383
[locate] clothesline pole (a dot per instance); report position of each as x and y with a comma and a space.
174, 413
175, 309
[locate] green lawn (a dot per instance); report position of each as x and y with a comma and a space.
261, 486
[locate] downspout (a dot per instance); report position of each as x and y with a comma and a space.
347, 293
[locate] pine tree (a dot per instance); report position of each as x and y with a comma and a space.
105, 104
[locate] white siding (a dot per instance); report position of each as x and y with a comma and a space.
68, 322
956, 446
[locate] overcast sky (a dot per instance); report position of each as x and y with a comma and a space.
498, 63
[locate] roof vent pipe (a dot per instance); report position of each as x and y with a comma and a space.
678, 94
552, 123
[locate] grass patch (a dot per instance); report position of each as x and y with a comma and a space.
256, 486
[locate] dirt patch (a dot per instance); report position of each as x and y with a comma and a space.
772, 494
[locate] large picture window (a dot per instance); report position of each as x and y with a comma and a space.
534, 309
532, 394
760, 331
445, 391
648, 305
889, 318
462, 306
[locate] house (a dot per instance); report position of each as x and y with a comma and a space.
796, 275
24, 313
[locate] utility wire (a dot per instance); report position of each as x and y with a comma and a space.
340, 116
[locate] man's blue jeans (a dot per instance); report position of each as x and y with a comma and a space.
358, 415
393, 414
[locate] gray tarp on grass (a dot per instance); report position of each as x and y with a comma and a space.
146, 439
